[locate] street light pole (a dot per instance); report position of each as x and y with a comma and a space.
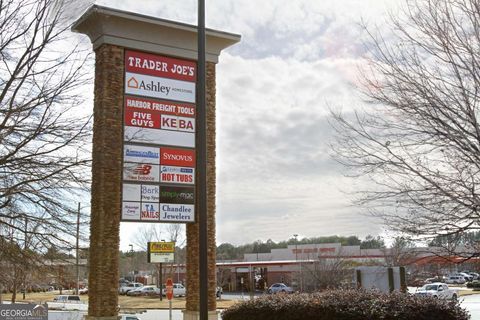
296, 258
201, 188
76, 247
131, 261
296, 242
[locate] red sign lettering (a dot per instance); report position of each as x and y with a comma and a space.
160, 66
184, 178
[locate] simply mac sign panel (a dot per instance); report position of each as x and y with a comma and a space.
159, 139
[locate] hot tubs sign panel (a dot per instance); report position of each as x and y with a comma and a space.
159, 139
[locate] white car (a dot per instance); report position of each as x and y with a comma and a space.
455, 280
437, 290
129, 287
179, 290
279, 288
67, 302
128, 317
464, 275
144, 291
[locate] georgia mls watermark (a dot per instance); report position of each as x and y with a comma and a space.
20, 311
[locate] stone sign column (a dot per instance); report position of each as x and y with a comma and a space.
193, 298
112, 32
106, 182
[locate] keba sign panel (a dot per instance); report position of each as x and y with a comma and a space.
159, 139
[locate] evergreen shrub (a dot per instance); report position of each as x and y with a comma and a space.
346, 305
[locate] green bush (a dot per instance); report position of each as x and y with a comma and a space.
346, 305
475, 285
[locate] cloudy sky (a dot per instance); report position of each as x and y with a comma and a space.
297, 59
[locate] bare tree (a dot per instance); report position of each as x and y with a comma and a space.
43, 155
44, 130
401, 252
419, 140
327, 273
174, 232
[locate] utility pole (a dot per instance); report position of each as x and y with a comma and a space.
160, 280
202, 163
25, 252
77, 250
131, 261
296, 242
296, 262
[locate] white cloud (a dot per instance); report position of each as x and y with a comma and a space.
275, 175
274, 89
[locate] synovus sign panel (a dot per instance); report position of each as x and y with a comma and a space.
159, 139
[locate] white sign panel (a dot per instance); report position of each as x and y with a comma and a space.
156, 257
131, 192
157, 136
140, 154
161, 88
149, 211
131, 211
181, 175
141, 172
184, 124
177, 212
150, 193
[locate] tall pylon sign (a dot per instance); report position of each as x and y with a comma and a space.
143, 159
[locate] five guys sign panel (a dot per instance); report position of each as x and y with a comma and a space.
159, 139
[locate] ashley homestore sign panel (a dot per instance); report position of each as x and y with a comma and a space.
159, 139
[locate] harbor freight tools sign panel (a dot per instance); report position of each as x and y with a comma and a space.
161, 252
159, 139
22, 311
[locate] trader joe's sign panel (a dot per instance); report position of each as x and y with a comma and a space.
159, 139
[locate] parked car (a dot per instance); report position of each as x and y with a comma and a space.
466, 276
129, 287
67, 302
455, 280
179, 290
144, 291
47, 287
128, 317
279, 288
219, 292
66, 298
437, 290
475, 275
435, 279
83, 290
415, 282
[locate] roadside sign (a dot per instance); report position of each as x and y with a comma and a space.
159, 124
160, 252
169, 289
162, 247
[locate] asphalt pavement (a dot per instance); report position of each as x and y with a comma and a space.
472, 304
